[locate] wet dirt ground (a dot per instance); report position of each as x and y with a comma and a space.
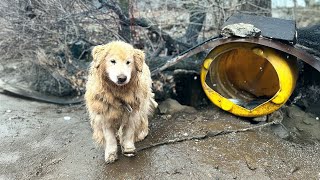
39, 141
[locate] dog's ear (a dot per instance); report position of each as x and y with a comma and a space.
96, 54
138, 59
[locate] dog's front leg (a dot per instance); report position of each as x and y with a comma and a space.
110, 144
127, 139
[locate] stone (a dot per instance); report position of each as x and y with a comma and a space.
308, 121
280, 131
276, 116
240, 30
260, 119
252, 165
171, 106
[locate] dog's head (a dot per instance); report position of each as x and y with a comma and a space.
118, 61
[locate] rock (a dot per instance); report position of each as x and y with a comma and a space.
276, 116
298, 130
260, 119
171, 106
250, 163
295, 169
308, 121
8, 111
293, 112
240, 30
280, 131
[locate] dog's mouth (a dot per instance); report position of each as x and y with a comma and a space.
121, 83
118, 83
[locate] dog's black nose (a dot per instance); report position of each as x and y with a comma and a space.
121, 78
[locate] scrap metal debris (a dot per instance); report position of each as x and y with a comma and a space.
16, 90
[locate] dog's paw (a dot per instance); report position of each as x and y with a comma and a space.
129, 152
110, 157
143, 134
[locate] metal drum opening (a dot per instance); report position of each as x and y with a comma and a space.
243, 76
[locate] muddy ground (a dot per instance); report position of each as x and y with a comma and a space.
39, 141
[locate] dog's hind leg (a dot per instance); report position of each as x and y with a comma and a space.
142, 128
127, 135
110, 143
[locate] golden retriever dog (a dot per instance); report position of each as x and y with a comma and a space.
119, 97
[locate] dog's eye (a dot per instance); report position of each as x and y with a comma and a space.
113, 61
128, 62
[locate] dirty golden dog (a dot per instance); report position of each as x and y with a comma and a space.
119, 97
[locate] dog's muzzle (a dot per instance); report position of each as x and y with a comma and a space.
121, 79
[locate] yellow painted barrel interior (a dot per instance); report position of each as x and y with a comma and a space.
247, 79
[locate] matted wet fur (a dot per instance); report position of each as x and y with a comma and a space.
119, 97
